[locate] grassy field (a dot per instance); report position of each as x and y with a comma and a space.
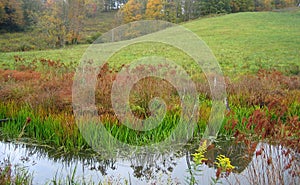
242, 43
38, 84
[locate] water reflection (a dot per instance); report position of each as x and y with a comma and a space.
147, 168
45, 164
270, 164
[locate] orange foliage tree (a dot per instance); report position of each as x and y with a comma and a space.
154, 9
62, 21
131, 11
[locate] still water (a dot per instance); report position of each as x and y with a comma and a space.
268, 164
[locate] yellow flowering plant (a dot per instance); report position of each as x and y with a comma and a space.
224, 166
199, 157
224, 163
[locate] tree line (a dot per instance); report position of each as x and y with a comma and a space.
61, 21
184, 10
16, 15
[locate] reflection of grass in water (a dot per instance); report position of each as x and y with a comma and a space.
271, 164
71, 178
266, 164
221, 162
14, 174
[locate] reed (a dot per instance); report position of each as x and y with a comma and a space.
56, 131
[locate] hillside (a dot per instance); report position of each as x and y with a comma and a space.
247, 41
242, 42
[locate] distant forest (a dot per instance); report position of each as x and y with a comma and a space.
62, 21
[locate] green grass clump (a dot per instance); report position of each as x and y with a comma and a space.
60, 132
54, 131
141, 138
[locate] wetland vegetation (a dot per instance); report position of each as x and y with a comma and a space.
259, 135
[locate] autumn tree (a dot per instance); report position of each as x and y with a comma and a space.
62, 21
242, 5
11, 15
74, 19
52, 24
91, 7
267, 4
131, 11
154, 9
2, 11
290, 3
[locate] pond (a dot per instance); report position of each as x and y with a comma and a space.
268, 164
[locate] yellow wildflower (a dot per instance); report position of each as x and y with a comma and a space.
198, 157
224, 163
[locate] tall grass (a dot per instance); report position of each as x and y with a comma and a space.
60, 131
55, 131
267, 115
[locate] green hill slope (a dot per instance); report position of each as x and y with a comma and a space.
247, 41
242, 42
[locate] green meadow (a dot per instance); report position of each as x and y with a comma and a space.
241, 42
